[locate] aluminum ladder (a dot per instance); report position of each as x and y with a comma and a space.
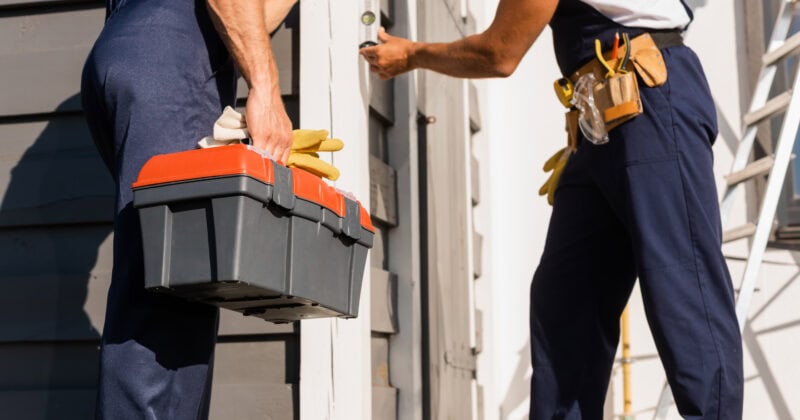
762, 108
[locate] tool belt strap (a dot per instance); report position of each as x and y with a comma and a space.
660, 40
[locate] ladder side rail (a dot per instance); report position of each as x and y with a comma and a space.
780, 32
782, 24
766, 78
775, 184
665, 400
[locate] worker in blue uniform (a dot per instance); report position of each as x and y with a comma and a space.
159, 75
643, 204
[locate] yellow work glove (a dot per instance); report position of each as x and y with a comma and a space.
556, 163
304, 153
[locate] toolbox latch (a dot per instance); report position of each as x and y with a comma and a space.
282, 193
351, 225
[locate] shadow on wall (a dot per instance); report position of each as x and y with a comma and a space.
518, 393
766, 371
55, 214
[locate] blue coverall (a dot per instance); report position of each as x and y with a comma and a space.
645, 205
155, 82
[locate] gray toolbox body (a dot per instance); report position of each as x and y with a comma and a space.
225, 226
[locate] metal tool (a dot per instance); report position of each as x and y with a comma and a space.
370, 21
598, 50
626, 42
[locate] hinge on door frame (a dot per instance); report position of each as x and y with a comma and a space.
464, 360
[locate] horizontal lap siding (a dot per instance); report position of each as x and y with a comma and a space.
50, 173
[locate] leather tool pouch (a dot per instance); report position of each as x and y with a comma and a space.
649, 63
617, 98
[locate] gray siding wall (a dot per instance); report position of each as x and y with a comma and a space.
56, 233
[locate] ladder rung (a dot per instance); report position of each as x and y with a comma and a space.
772, 107
752, 170
789, 46
739, 233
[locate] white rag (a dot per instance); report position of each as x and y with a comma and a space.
230, 128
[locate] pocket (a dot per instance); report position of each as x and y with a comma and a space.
658, 214
651, 135
618, 99
694, 108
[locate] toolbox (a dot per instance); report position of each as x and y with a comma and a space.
228, 227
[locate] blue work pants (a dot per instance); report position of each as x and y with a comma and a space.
155, 82
644, 205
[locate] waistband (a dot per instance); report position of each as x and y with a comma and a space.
666, 39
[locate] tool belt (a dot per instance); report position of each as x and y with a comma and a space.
612, 90
645, 56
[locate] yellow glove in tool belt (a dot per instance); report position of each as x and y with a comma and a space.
556, 163
305, 152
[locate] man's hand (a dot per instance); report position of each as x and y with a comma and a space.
391, 58
268, 124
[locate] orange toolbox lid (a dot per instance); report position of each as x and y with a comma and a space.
366, 221
309, 187
240, 160
204, 163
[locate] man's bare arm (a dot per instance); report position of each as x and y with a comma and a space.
494, 53
244, 26
277, 12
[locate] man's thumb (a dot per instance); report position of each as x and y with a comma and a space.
383, 36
